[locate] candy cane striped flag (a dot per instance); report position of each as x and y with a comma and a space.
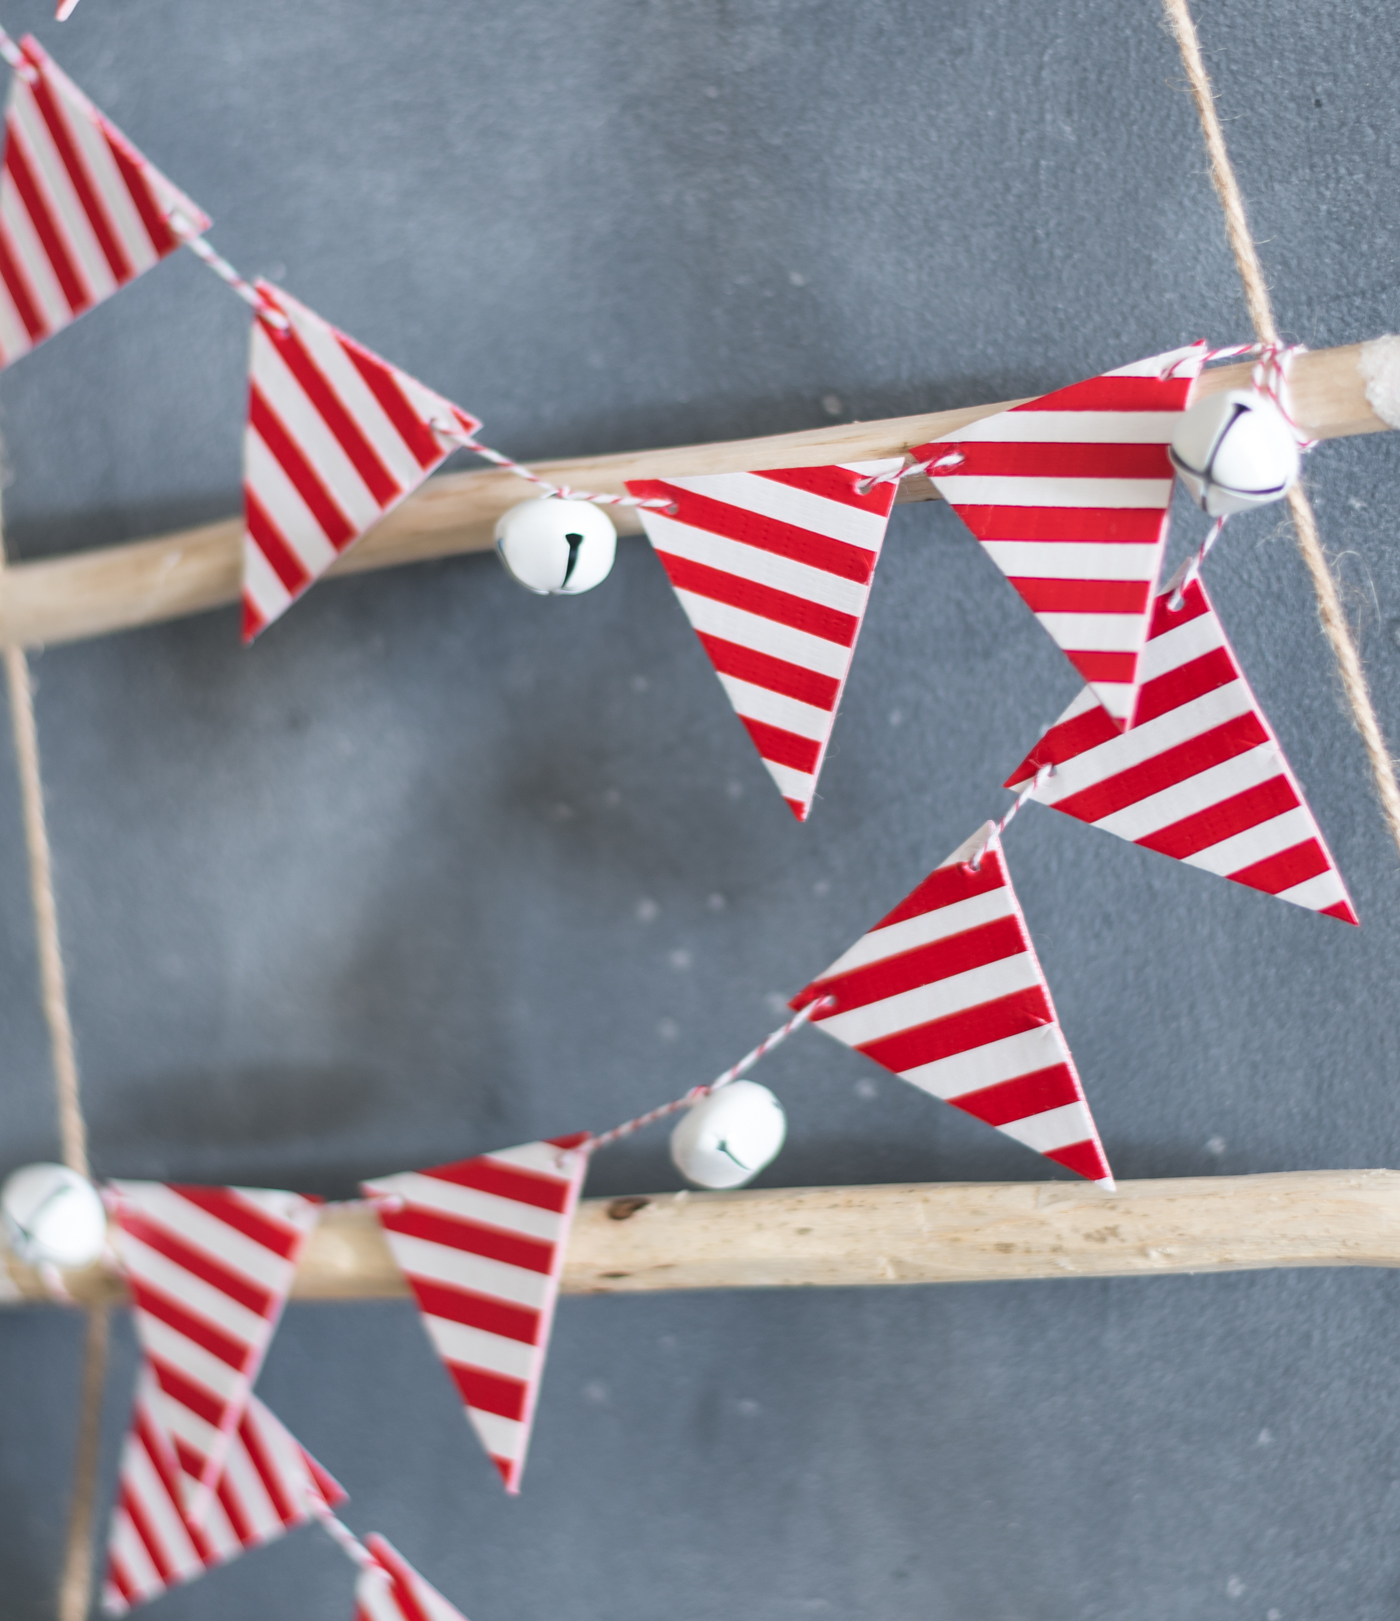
209, 1270
947, 992
1201, 776
335, 438
268, 1486
392, 1590
773, 570
82, 213
481, 1243
1069, 495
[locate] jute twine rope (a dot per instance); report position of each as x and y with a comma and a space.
75, 1581
1261, 314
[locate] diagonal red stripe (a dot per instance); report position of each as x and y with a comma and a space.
763, 533
765, 601
1104, 667
21, 294
1022, 1097
488, 1175
772, 674
1084, 1159
1048, 596
1223, 820
491, 1316
472, 1237
288, 1512
961, 1032
130, 162
1115, 394
50, 233
233, 1353
1185, 683
328, 405
490, 1392
205, 1265
383, 383
53, 113
265, 535
146, 1531
182, 1389
926, 965
835, 484
336, 527
1020, 459
782, 747
284, 1239
1279, 872
402, 1574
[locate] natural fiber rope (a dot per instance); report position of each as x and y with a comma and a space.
1261, 314
75, 1581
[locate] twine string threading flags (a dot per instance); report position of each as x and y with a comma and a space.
692, 1097
1256, 292
225, 271
1031, 789
450, 430
953, 458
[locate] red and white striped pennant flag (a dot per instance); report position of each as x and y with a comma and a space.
482, 1243
773, 570
82, 212
335, 438
1069, 496
392, 1590
268, 1486
1201, 776
947, 992
209, 1271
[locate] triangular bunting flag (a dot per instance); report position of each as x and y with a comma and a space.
392, 1590
268, 1485
947, 992
1201, 776
82, 213
335, 438
773, 570
481, 1243
1069, 496
209, 1270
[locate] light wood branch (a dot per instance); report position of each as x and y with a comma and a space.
91, 593
957, 1232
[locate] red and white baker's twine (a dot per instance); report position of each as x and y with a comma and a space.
950, 459
343, 1537
1031, 789
451, 430
695, 1094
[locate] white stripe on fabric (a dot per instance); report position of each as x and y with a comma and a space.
777, 709
201, 1230
906, 1010
162, 1515
351, 389
475, 1348
473, 1273
544, 1159
1055, 1128
751, 563
290, 1211
1020, 426
896, 938
192, 1293
126, 1549
1318, 893
14, 336
1182, 644
32, 139
1256, 843
989, 1065
282, 502
784, 504
308, 429
745, 629
1191, 795
1119, 698
34, 262
182, 1423
242, 1477
110, 185
792, 784
260, 583
467, 1204
1074, 560
1007, 490
1101, 632
177, 1350
1147, 740
502, 1437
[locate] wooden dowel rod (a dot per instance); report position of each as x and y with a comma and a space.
954, 1232
91, 593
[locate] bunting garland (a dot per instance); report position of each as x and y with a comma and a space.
481, 1243
773, 570
82, 212
1069, 495
946, 990
269, 1485
1201, 777
209, 1270
335, 438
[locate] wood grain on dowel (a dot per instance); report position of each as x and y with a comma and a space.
959, 1232
91, 593
1261, 313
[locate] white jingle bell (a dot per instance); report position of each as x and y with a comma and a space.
1235, 451
729, 1136
53, 1216
556, 547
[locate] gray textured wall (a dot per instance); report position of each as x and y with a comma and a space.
440, 867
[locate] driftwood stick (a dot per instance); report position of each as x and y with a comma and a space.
112, 588
955, 1232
